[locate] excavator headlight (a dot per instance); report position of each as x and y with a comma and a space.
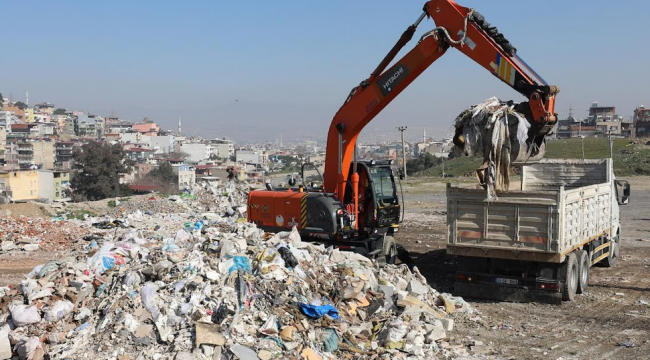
339, 212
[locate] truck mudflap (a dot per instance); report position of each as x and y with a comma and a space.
504, 288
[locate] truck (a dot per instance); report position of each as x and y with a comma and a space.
537, 243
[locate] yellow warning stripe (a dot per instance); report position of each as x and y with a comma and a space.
602, 246
303, 212
600, 258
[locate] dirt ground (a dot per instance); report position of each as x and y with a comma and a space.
610, 321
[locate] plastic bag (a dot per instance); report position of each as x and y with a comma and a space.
57, 311
316, 312
240, 262
288, 257
24, 315
149, 295
104, 259
181, 235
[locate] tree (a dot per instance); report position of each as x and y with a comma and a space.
60, 111
21, 105
421, 163
164, 173
96, 171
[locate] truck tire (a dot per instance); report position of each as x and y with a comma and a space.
584, 263
389, 253
614, 252
571, 278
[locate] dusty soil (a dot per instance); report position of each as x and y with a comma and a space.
598, 325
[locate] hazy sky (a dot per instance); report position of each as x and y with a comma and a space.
250, 70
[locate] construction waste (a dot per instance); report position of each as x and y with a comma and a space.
205, 284
494, 131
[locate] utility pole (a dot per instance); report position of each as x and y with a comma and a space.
402, 129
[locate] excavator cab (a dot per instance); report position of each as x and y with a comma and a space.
379, 204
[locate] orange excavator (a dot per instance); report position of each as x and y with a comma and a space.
357, 207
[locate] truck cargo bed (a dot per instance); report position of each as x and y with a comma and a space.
562, 204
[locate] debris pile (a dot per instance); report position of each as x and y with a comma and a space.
205, 284
29, 234
494, 130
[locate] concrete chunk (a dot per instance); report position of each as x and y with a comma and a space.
209, 334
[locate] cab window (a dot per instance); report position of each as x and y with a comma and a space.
383, 182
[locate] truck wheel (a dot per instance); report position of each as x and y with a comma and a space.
389, 254
584, 263
614, 252
571, 278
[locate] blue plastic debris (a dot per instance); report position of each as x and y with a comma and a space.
241, 262
317, 312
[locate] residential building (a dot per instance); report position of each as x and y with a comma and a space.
163, 144
120, 127
29, 115
627, 129
140, 155
63, 154
256, 157
131, 136
20, 114
147, 128
642, 121
186, 175
222, 148
19, 185
19, 131
39, 130
7, 118
609, 127
597, 113
61, 184
44, 108
197, 151
38, 153
45, 184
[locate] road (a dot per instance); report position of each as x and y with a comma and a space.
610, 321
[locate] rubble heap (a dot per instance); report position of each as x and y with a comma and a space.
491, 129
205, 284
29, 234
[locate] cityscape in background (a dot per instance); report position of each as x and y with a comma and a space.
37, 142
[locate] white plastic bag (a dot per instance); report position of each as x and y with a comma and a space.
24, 315
149, 295
58, 311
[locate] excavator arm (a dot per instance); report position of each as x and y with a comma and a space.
458, 27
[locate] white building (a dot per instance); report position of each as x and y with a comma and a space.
163, 144
7, 118
197, 151
256, 157
186, 175
223, 148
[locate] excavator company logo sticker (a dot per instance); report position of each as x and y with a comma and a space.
392, 78
504, 70
265, 208
279, 220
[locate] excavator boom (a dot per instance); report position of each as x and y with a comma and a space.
458, 27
